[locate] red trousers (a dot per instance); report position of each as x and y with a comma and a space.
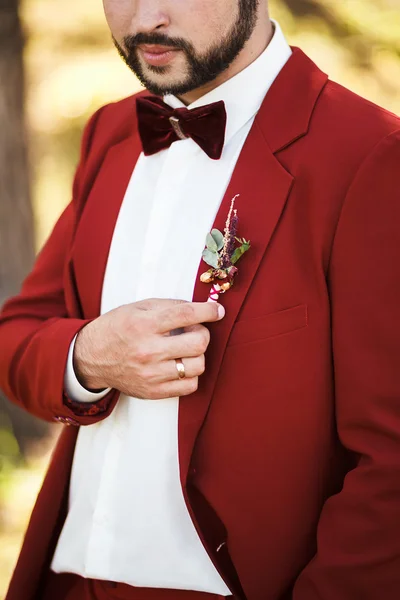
67, 586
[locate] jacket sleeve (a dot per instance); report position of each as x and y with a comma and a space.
36, 331
358, 555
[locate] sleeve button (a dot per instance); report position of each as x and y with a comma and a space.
66, 420
69, 421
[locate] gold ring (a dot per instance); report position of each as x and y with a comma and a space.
180, 367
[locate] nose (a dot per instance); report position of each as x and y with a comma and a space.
149, 16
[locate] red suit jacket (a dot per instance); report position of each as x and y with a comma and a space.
290, 448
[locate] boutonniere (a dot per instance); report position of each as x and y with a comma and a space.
222, 253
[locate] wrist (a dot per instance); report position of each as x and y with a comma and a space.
84, 362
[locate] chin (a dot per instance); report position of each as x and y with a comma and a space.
167, 85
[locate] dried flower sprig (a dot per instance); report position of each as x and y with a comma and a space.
229, 235
222, 254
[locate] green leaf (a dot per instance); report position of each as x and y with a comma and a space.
212, 245
239, 252
211, 258
218, 238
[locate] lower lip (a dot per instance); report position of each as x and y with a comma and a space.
159, 59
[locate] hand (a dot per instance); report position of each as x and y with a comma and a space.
132, 348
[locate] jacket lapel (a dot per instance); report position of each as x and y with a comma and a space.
264, 186
97, 223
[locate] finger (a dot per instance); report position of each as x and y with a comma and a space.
189, 313
157, 303
176, 389
192, 328
194, 367
186, 345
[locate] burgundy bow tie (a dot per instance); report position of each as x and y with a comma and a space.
160, 125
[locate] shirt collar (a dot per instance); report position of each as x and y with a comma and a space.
244, 93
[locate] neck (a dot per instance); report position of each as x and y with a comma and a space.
256, 45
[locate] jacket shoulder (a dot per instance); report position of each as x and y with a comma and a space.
356, 120
109, 125
116, 121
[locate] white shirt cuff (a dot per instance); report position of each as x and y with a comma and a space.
73, 388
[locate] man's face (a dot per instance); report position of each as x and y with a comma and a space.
176, 46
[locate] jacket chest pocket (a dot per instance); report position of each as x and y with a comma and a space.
268, 326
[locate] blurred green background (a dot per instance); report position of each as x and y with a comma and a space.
58, 65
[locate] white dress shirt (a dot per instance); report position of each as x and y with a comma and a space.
127, 519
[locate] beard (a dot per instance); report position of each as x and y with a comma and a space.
202, 68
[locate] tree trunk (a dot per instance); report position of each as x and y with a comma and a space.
16, 219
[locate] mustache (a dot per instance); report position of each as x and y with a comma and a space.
131, 42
